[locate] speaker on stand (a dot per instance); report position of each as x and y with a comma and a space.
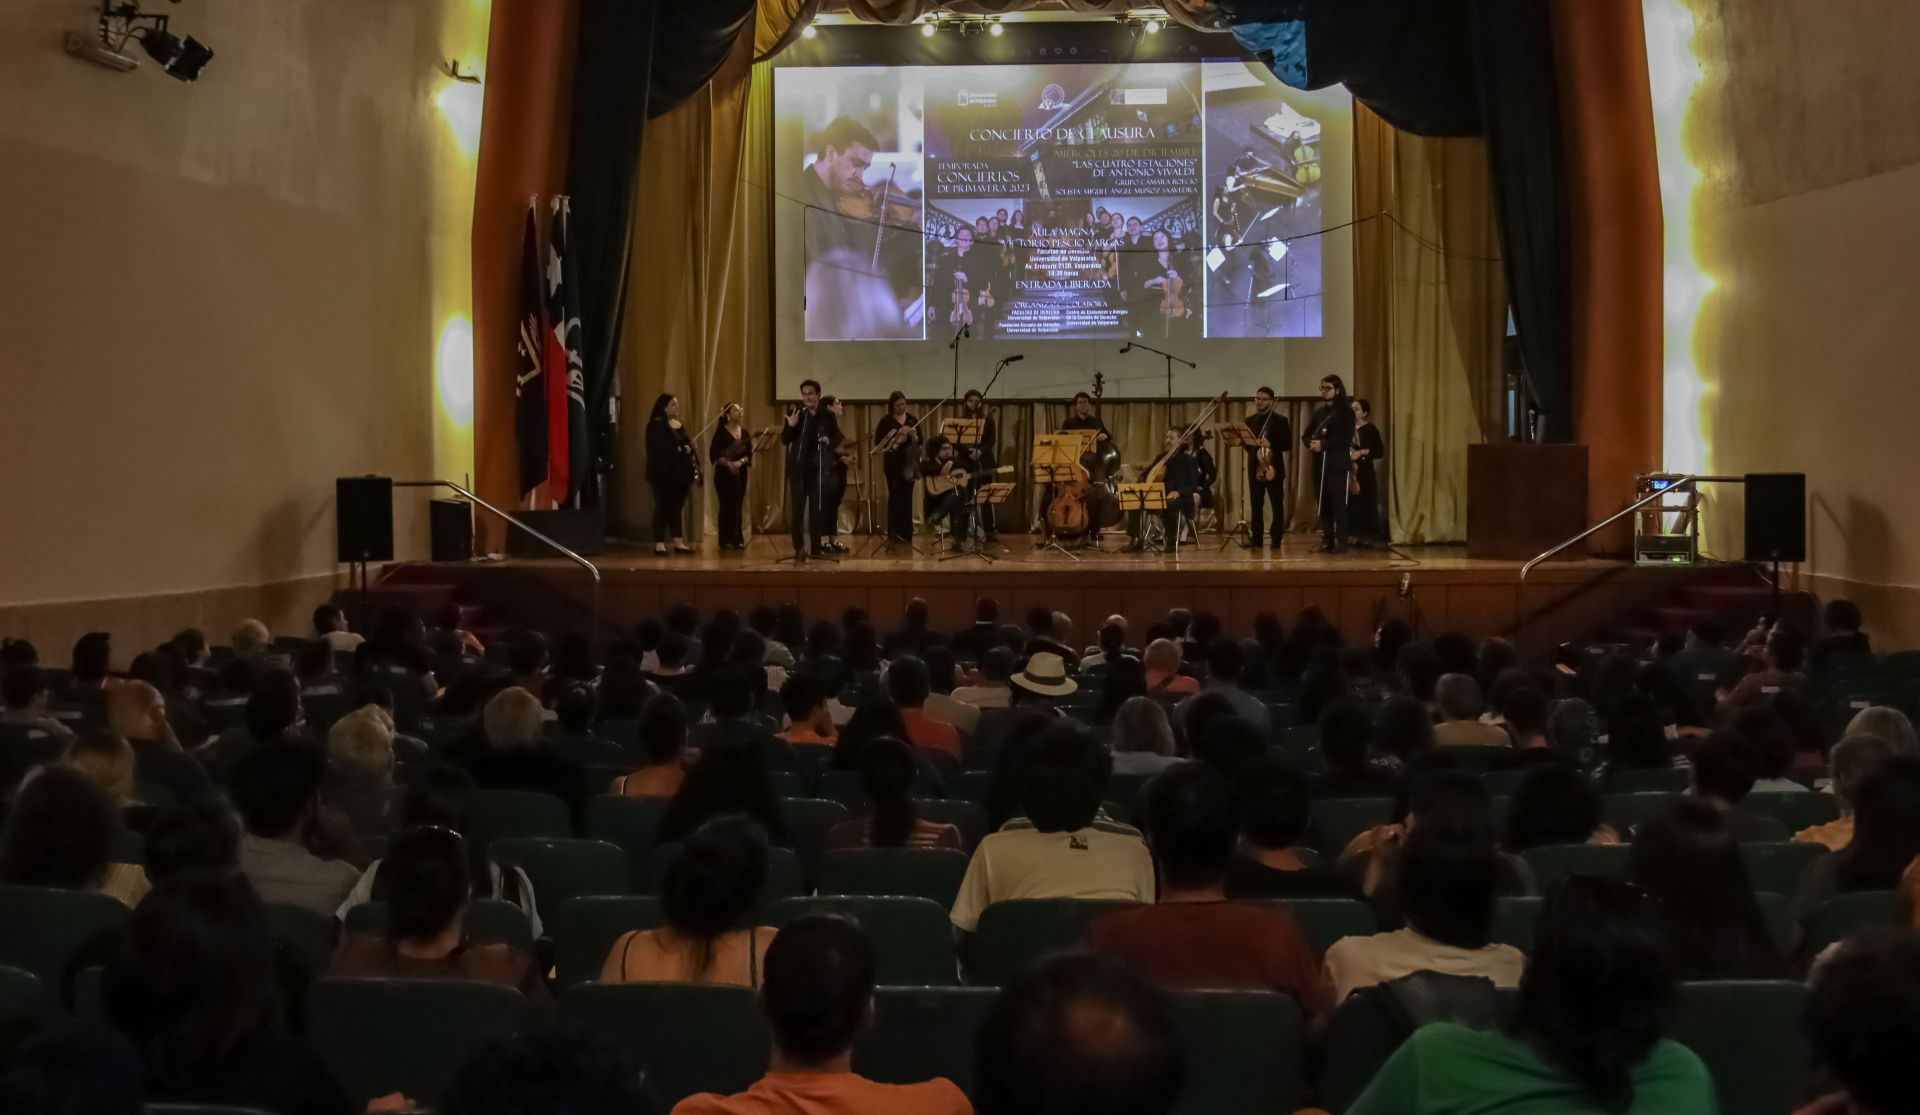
1776, 521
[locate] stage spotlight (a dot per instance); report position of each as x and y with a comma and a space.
120, 22
1153, 27
927, 29
809, 31
181, 59
995, 29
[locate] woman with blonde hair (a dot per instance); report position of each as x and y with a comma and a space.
106, 758
1142, 738
360, 767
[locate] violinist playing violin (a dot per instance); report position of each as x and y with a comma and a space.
1267, 467
898, 437
856, 246
967, 280
953, 505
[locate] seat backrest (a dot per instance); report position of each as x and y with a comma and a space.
1844, 915
584, 930
807, 821
1554, 862
512, 814
488, 921
1334, 823
920, 1033
309, 933
1014, 933
404, 1035
787, 784
1243, 1052
844, 786
42, 928
563, 869
1513, 921
1647, 780
912, 938
22, 995
1625, 812
969, 818
692, 1038
633, 824
1776, 868
918, 872
1327, 920
785, 877
1751, 1036
1796, 811
970, 785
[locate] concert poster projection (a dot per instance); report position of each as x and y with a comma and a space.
1059, 211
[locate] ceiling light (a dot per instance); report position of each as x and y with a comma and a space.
1153, 27
995, 29
927, 29
809, 32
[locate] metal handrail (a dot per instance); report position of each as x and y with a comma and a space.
1679, 482
508, 517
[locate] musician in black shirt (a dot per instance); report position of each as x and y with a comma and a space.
899, 432
1330, 436
1269, 424
1369, 518
833, 452
1084, 417
671, 471
983, 457
802, 436
730, 454
952, 505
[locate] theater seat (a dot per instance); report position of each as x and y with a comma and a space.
43, 928
584, 929
1335, 822
633, 824
404, 1035
1795, 811
807, 821
1847, 914
1513, 920
969, 818
690, 1038
488, 921
919, 872
1651, 780
1554, 862
512, 814
309, 933
1625, 812
912, 938
919, 1033
1751, 1035
785, 879
1327, 920
1776, 868
1015, 933
1243, 1052
21, 996
563, 869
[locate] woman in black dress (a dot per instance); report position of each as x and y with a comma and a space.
730, 453
900, 431
834, 452
1369, 518
671, 471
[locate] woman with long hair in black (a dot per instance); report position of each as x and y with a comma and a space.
671, 472
890, 772
731, 455
1688, 860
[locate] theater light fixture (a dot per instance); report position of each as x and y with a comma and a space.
809, 32
929, 27
994, 28
120, 23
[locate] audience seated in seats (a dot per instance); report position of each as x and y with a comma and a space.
889, 772
251, 639
1195, 937
1320, 685
92, 662
732, 719
527, 660
721, 781
822, 660
1112, 646
1346, 731
1228, 743
1142, 738
992, 689
809, 721
1705, 660
137, 712
272, 713
876, 717
427, 885
1851, 759
908, 686
359, 784
330, 626
1046, 634
1863, 1023
1555, 804
1807, 761
1889, 724
1770, 747
1402, 729
1023, 726
192, 987
1357, 673
1121, 682
1722, 775
575, 740
663, 743
622, 690
1079, 1033
1275, 801
106, 760
1886, 838
1442, 797
1779, 669
1588, 1034
1224, 663
1041, 682
277, 790
1420, 670
70, 1068
1843, 620
913, 633
399, 642
1164, 678
443, 796
195, 835
1687, 859
670, 675
547, 1072
1524, 712
1060, 847
942, 675
59, 833
818, 999
519, 756
24, 691
707, 899
983, 632
1460, 706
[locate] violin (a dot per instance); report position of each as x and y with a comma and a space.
1171, 304
883, 205
962, 312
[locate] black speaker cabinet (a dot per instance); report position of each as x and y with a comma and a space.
450, 525
363, 518
1776, 516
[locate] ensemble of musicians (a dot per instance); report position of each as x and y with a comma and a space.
960, 481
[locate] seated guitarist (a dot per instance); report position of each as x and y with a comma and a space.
941, 467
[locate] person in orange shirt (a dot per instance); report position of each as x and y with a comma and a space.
809, 720
817, 993
909, 686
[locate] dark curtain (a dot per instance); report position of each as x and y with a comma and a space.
1513, 50
635, 60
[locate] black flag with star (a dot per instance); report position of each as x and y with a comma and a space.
530, 388
567, 448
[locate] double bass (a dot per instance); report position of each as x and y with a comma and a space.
1087, 501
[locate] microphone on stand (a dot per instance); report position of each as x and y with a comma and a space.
1013, 359
1127, 349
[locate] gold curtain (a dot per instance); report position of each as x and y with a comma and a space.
1429, 316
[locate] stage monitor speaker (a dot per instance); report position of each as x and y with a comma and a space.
450, 525
1776, 516
363, 518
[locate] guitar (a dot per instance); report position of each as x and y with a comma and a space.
940, 483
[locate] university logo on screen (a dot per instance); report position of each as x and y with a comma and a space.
977, 100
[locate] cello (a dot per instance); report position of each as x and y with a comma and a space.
1087, 500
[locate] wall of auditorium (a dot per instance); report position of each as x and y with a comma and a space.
1796, 269
217, 297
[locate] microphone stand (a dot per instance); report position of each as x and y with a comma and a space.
991, 525
1171, 361
965, 330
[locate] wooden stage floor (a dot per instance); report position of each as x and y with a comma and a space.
1437, 586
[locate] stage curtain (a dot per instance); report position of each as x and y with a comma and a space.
1197, 14
1429, 306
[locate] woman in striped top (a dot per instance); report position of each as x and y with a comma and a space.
893, 820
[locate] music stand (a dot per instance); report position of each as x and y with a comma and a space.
1236, 434
986, 495
1056, 460
965, 433
1144, 498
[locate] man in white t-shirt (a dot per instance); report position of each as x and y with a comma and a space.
994, 691
330, 623
1061, 847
